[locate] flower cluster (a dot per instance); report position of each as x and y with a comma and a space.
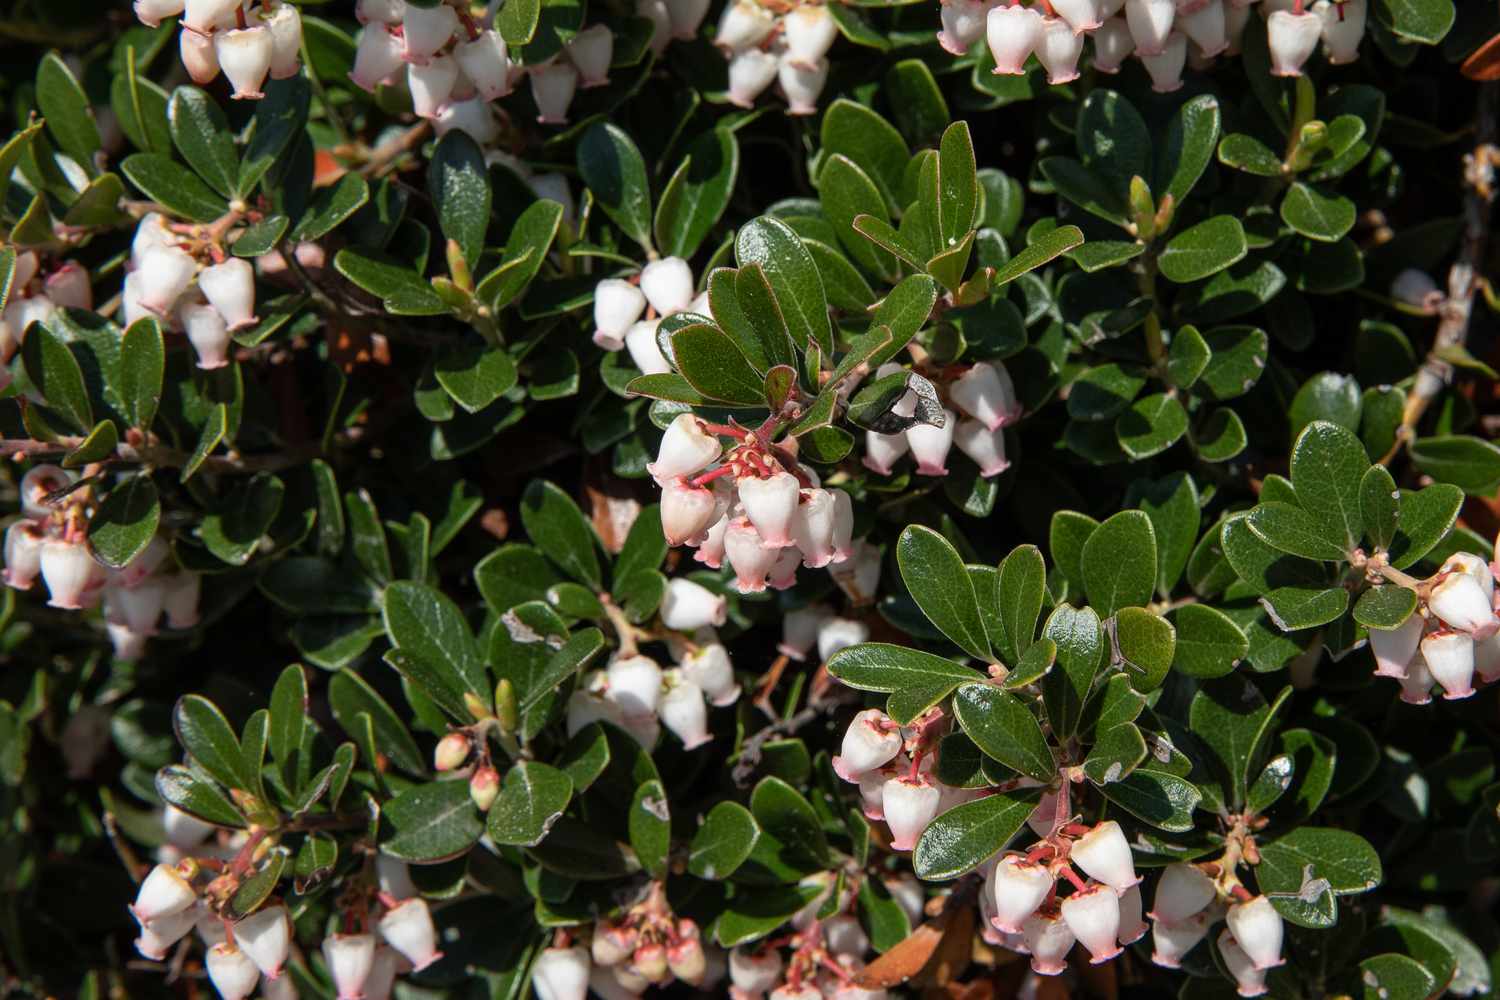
663, 287
1189, 901
50, 542
1165, 35
246, 42
785, 44
986, 396
195, 893
34, 297
1451, 639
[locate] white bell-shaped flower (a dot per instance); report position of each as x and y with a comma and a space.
872, 795
1487, 659
552, 87
266, 936
591, 51
1207, 27
686, 448
394, 877
1113, 44
930, 445
1150, 23
710, 551
835, 634
1184, 890
1395, 648
151, 13
163, 893
1460, 601
985, 447
244, 55
802, 84
162, 933
1081, 15
883, 451
561, 974
1475, 566
843, 525
1093, 915
743, 25
1017, 888
844, 936
634, 684
166, 272
384, 968
381, 11
23, 554
1059, 50
686, 16
349, 958
799, 630
1258, 930
203, 16
751, 71
656, 12
754, 970
1132, 923
70, 572
808, 31
771, 505
668, 285
285, 24
181, 600
1450, 659
683, 711
408, 928
710, 668
749, 556
199, 57
687, 606
431, 84
1250, 980
69, 287
686, 511
1104, 854
587, 707
1343, 28
1166, 66
231, 970
137, 607
910, 803
813, 525
230, 288
1012, 34
426, 31
208, 333
963, 25
618, 305
1416, 686
1292, 38
645, 353
486, 61
1049, 939
986, 393
870, 742
474, 117
1170, 942
377, 56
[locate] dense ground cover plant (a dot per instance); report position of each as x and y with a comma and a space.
753, 498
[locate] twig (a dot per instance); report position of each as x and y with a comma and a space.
750, 752
161, 456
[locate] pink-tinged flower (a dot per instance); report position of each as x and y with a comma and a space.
384, 969
771, 505
23, 554
151, 13
1450, 659
377, 56
40, 482
1343, 28
1183, 891
686, 448
711, 550
687, 511
859, 574
266, 936
231, 970
1207, 26
1058, 50
685, 17
69, 288
799, 630
1292, 38
586, 707
910, 803
750, 73
1104, 854
883, 451
634, 683
166, 272
1012, 34
208, 333
349, 958
1132, 924
644, 350
617, 306
835, 634
802, 85
484, 788
1150, 23
407, 927
181, 601
749, 556
687, 606
963, 25
844, 936
683, 712
431, 83
668, 285
754, 970
485, 60
1258, 930
591, 51
451, 751
656, 12
474, 117
930, 445
872, 794
743, 25
686, 958
199, 56
1049, 940
1166, 66
1460, 601
986, 393
164, 891
380, 11
1250, 981
1093, 915
1487, 659
1394, 648
1416, 686
245, 57
1113, 44
286, 41
783, 574
1170, 942
809, 31
710, 668
870, 742
812, 527
203, 16
138, 608
1017, 888
552, 87
162, 933
230, 288
843, 525
427, 30
986, 448
1081, 15
70, 573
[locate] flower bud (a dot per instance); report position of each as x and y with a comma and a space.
431, 83
484, 786
552, 87
407, 927
650, 962
1292, 38
1049, 939
1172, 941
1450, 661
1250, 981
771, 505
686, 448
930, 445
1012, 34
910, 804
232, 972
208, 333
1461, 603
1394, 648
377, 56
166, 272
1017, 887
835, 634
152, 12
1113, 44
1150, 23
683, 712
809, 31
1257, 929
668, 285
452, 750
617, 306
656, 12
963, 25
986, 448
743, 25
285, 25
1416, 288
485, 60
1059, 49
711, 550
686, 958
350, 958
1104, 854
1416, 686
163, 893
68, 287
591, 51
754, 971
634, 683
230, 286
612, 943
266, 936
23, 554
426, 31
802, 85
70, 572
244, 55
687, 606
1183, 891
181, 600
845, 936
870, 742
203, 16
1093, 915
162, 933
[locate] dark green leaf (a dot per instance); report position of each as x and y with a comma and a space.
612, 167
650, 827
1209, 643
1080, 653
55, 373
1118, 563
1328, 464
429, 823
917, 680
770, 243
723, 842
556, 525
1005, 729
934, 572
201, 133
1203, 250
966, 836
1423, 518
697, 193
126, 521
458, 183
715, 367
532, 797
1470, 463
1019, 588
